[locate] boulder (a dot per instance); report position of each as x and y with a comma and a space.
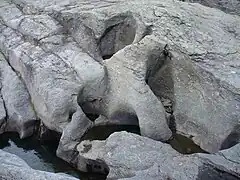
231, 7
55, 74
53, 77
131, 156
13, 168
128, 71
21, 116
203, 108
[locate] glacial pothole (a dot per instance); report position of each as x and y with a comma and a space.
121, 31
91, 109
107, 56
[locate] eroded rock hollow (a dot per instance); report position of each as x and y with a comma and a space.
164, 67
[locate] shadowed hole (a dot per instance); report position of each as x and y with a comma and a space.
48, 136
91, 109
232, 139
107, 56
118, 35
103, 132
207, 172
159, 77
119, 121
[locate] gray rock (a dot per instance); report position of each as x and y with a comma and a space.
231, 7
130, 156
54, 80
120, 118
58, 47
2, 116
38, 26
209, 75
226, 160
203, 108
58, 77
21, 117
128, 92
14, 168
71, 136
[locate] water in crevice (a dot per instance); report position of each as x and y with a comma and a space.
180, 143
39, 156
42, 157
184, 145
103, 132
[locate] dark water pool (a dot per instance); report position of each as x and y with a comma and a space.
40, 157
103, 132
179, 142
184, 145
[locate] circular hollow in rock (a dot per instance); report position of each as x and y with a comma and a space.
117, 36
91, 109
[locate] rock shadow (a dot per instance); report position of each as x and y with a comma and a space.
120, 32
118, 121
232, 139
159, 77
104, 131
47, 136
207, 172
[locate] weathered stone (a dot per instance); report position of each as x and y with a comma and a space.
226, 160
119, 118
71, 136
13, 168
231, 7
210, 121
134, 157
21, 117
38, 26
2, 115
127, 72
197, 32
58, 47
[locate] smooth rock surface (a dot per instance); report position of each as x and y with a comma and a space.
21, 116
134, 157
80, 57
14, 168
231, 7
205, 46
127, 72
203, 108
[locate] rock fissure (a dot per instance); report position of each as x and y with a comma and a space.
221, 154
